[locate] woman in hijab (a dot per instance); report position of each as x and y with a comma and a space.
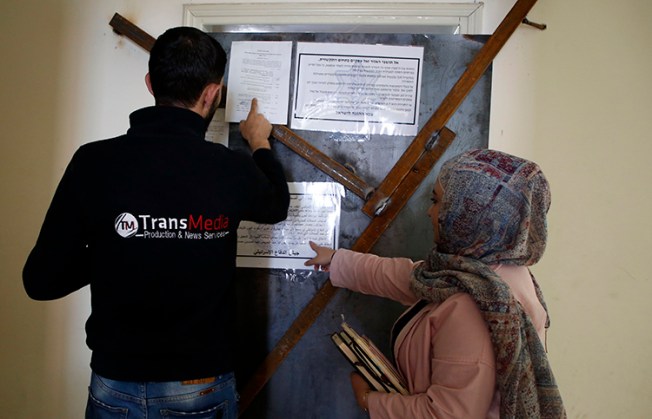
471, 345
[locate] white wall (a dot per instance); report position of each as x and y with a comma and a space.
573, 98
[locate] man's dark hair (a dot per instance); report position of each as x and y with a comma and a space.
182, 62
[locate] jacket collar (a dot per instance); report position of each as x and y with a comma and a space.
168, 122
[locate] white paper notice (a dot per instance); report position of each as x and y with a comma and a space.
259, 69
218, 129
355, 88
314, 214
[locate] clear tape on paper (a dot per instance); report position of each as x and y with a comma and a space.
314, 215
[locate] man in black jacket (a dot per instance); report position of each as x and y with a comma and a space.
149, 220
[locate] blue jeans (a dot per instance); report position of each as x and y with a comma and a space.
109, 399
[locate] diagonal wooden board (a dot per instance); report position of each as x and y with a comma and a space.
382, 204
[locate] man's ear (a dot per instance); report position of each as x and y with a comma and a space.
207, 98
211, 92
149, 84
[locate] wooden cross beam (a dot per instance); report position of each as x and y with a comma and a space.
382, 204
449, 105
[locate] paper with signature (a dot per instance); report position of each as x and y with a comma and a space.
259, 69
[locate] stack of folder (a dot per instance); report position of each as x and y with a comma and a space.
369, 361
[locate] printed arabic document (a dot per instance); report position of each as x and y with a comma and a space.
314, 214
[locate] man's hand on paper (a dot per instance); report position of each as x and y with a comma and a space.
256, 129
323, 258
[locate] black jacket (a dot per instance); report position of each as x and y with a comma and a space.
149, 220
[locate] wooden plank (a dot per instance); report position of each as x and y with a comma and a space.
321, 161
449, 105
404, 192
124, 27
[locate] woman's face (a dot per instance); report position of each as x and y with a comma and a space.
433, 211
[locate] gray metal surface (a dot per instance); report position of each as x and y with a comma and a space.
313, 382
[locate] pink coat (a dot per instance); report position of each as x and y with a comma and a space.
444, 352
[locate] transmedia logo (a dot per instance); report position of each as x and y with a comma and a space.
126, 225
193, 227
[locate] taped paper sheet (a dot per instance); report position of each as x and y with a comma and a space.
356, 88
314, 215
259, 69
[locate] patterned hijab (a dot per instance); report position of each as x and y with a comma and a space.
493, 210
